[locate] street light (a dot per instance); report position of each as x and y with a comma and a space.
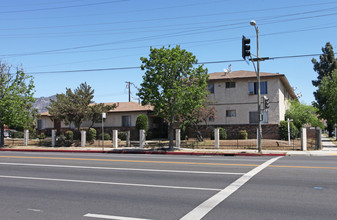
259, 129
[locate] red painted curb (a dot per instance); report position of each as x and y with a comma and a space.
145, 152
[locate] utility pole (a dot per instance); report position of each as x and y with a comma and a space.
129, 87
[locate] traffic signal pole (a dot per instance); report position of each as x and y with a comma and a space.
259, 129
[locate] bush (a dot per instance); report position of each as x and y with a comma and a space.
283, 129
122, 135
106, 136
77, 135
61, 141
41, 136
243, 134
91, 135
17, 134
142, 122
69, 135
222, 134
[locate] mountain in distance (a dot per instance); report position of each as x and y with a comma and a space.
42, 103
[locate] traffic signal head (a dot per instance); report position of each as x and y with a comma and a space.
266, 102
245, 47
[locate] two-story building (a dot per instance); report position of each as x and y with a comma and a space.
234, 95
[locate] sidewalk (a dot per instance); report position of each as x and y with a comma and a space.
329, 149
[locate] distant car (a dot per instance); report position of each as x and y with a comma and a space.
6, 134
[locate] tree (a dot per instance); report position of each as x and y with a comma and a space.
328, 90
142, 122
195, 117
303, 114
76, 106
16, 98
324, 67
95, 112
172, 85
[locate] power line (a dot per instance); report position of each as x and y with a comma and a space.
60, 7
199, 63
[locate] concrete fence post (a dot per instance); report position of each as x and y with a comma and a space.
26, 137
216, 138
304, 139
115, 138
83, 138
53, 137
128, 143
178, 140
141, 138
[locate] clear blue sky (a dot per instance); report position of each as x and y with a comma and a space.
47, 36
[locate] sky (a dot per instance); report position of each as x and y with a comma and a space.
63, 43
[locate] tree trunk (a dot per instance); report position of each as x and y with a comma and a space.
170, 136
2, 135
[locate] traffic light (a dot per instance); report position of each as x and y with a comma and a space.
245, 47
266, 102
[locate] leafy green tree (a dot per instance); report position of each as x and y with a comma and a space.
324, 67
142, 122
16, 98
76, 106
172, 85
328, 90
303, 114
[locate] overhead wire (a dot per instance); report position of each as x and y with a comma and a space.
138, 67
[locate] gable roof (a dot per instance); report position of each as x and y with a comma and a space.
248, 75
129, 107
121, 107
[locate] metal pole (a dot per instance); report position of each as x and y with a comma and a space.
259, 129
103, 132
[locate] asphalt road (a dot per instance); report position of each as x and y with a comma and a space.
116, 186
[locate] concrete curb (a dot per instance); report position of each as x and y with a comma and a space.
148, 152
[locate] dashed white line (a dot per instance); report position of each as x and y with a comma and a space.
124, 169
108, 183
205, 207
89, 215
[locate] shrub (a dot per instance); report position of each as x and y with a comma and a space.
69, 135
106, 136
122, 135
142, 122
91, 135
283, 129
222, 134
243, 134
77, 135
41, 136
17, 134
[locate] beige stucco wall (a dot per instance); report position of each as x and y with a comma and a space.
114, 119
239, 99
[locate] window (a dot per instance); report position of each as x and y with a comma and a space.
211, 88
41, 124
230, 113
253, 88
254, 117
126, 121
230, 84
211, 119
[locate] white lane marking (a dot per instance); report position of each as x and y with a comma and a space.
35, 210
108, 183
205, 207
124, 169
90, 215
